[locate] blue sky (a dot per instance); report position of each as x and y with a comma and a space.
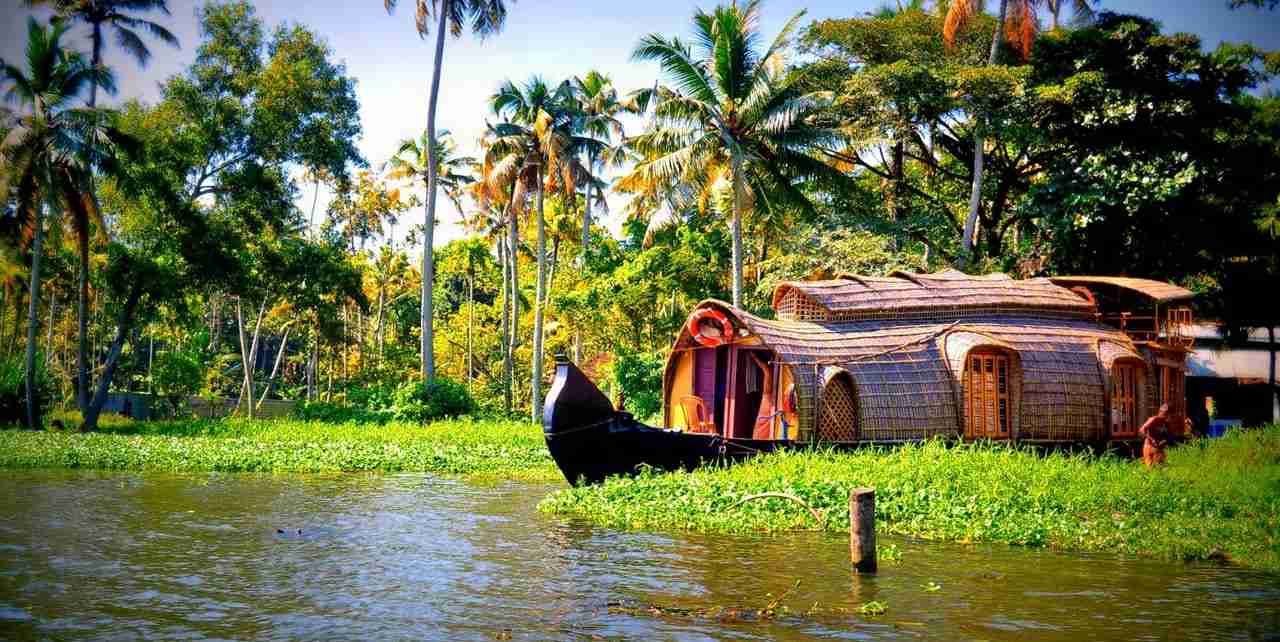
552, 38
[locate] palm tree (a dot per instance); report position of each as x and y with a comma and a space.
437, 165
49, 151
120, 16
730, 131
537, 142
493, 193
599, 110
487, 17
1020, 26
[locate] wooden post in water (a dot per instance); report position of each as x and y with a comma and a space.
862, 529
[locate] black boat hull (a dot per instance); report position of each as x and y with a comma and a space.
591, 441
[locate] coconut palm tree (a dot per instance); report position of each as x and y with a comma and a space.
121, 17
1016, 20
49, 150
486, 17
599, 110
498, 175
437, 165
453, 171
537, 143
731, 131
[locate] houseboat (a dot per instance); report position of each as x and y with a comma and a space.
905, 357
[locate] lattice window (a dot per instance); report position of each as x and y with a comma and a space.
798, 307
1124, 399
987, 395
839, 420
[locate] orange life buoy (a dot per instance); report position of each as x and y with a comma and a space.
710, 314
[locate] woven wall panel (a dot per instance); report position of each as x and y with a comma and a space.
838, 420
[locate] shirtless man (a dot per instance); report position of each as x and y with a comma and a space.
1156, 437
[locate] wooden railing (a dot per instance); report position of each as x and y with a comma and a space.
1174, 329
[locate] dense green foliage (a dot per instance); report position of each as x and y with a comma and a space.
1216, 498
495, 448
410, 402
13, 402
638, 378
837, 145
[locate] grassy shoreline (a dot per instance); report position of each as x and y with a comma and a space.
505, 449
1217, 499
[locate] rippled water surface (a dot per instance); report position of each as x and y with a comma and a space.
86, 555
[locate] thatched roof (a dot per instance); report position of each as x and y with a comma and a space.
1157, 291
904, 294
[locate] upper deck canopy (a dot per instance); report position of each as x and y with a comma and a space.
1157, 291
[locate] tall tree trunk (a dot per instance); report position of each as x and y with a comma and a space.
513, 253
736, 230
275, 369
975, 194
551, 272
504, 334
83, 382
313, 362
586, 213
382, 299
471, 316
123, 325
215, 323
33, 321
315, 198
151, 359
536, 405
249, 356
1054, 7
48, 332
899, 190
428, 274
582, 254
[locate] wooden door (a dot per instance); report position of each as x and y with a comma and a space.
1124, 399
1171, 390
987, 395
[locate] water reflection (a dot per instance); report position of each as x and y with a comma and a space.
412, 556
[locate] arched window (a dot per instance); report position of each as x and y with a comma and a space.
988, 394
838, 420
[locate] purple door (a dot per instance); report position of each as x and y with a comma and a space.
704, 378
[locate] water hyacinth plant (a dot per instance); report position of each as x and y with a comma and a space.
1216, 499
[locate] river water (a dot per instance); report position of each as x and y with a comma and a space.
109, 556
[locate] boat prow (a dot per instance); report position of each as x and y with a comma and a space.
590, 441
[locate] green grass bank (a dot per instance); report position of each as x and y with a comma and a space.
504, 449
1217, 498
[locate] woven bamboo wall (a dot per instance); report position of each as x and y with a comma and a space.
908, 374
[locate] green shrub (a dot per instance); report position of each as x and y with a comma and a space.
176, 376
420, 402
372, 397
13, 391
639, 377
332, 413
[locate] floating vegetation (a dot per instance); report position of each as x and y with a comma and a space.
486, 449
1217, 499
873, 608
